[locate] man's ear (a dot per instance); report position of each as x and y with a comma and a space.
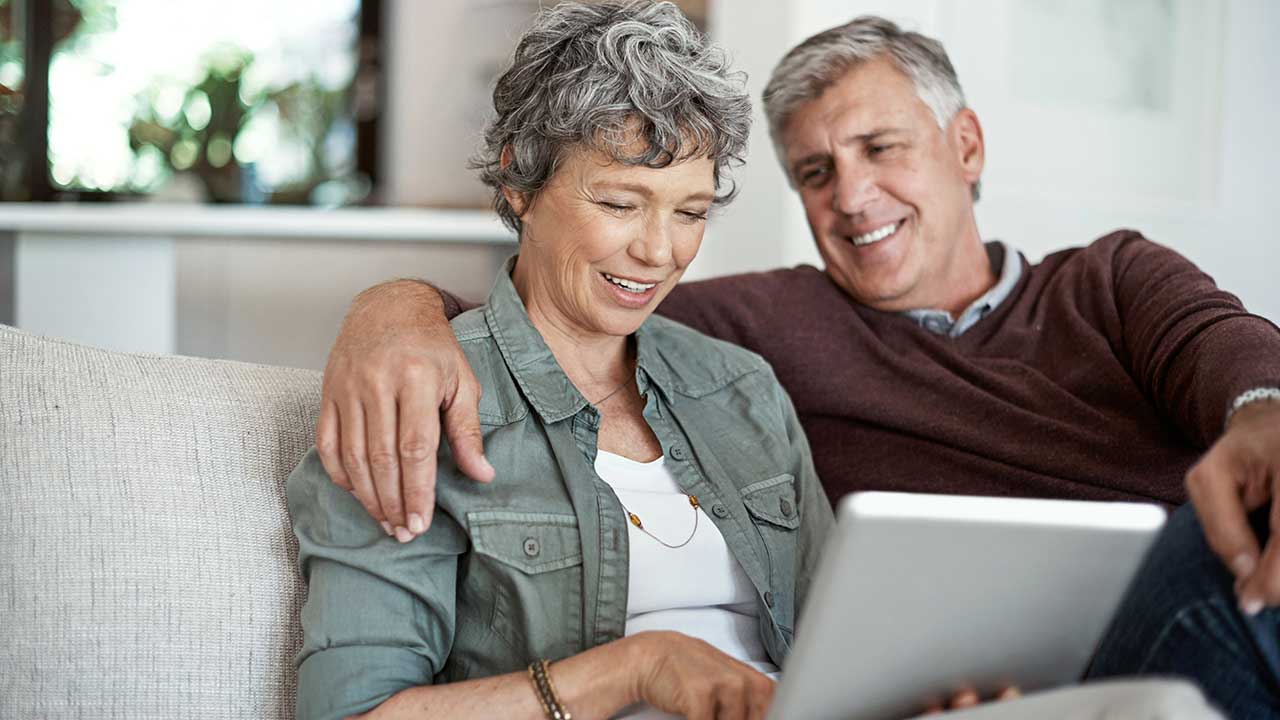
966, 138
514, 199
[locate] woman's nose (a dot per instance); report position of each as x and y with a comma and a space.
653, 245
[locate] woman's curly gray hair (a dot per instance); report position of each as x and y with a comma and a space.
601, 76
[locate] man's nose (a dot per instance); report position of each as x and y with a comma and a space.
855, 188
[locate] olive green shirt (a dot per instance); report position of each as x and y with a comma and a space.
535, 564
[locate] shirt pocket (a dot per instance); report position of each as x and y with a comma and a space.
774, 511
529, 567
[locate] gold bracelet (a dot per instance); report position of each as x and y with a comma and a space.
541, 680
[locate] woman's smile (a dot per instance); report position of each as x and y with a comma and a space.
629, 293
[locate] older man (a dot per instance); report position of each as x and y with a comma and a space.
922, 359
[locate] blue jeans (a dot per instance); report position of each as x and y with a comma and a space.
1181, 618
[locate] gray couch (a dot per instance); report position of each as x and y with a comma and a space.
146, 559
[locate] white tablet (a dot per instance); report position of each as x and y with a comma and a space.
918, 596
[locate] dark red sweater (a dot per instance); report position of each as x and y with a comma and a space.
1103, 375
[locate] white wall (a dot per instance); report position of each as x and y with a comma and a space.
96, 291
1218, 218
441, 59
281, 302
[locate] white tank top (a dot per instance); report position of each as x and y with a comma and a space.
698, 589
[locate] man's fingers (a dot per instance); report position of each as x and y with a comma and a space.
418, 442
328, 445
1262, 587
462, 425
384, 459
355, 463
1215, 494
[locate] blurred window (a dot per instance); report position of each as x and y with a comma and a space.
227, 101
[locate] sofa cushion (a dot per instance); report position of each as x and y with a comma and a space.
147, 566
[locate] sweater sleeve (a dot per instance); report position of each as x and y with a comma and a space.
1191, 346
737, 308
454, 305
692, 304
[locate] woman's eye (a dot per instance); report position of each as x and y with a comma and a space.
693, 216
615, 206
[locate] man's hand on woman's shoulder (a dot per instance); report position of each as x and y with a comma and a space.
395, 370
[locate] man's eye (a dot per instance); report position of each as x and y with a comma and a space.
693, 216
878, 149
812, 176
615, 206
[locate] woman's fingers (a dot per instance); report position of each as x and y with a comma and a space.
968, 698
1010, 693
692, 678
760, 698
731, 701
964, 699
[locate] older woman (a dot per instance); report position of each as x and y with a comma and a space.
656, 518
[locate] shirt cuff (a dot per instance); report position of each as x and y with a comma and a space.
1253, 396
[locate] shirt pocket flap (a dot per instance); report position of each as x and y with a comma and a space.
773, 501
530, 542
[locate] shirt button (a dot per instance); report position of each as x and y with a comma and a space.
677, 452
532, 547
720, 511
768, 599
785, 506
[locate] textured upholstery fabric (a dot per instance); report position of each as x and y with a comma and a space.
146, 559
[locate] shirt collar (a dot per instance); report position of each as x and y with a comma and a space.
1007, 264
549, 391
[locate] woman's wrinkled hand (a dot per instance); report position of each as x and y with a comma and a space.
686, 676
395, 368
970, 698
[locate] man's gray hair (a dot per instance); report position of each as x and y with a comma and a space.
820, 61
602, 76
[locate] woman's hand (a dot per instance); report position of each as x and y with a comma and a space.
686, 676
969, 698
394, 369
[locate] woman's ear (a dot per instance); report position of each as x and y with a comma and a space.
514, 199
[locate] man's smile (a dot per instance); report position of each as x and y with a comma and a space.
875, 235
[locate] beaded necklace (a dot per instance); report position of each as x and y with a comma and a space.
635, 520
